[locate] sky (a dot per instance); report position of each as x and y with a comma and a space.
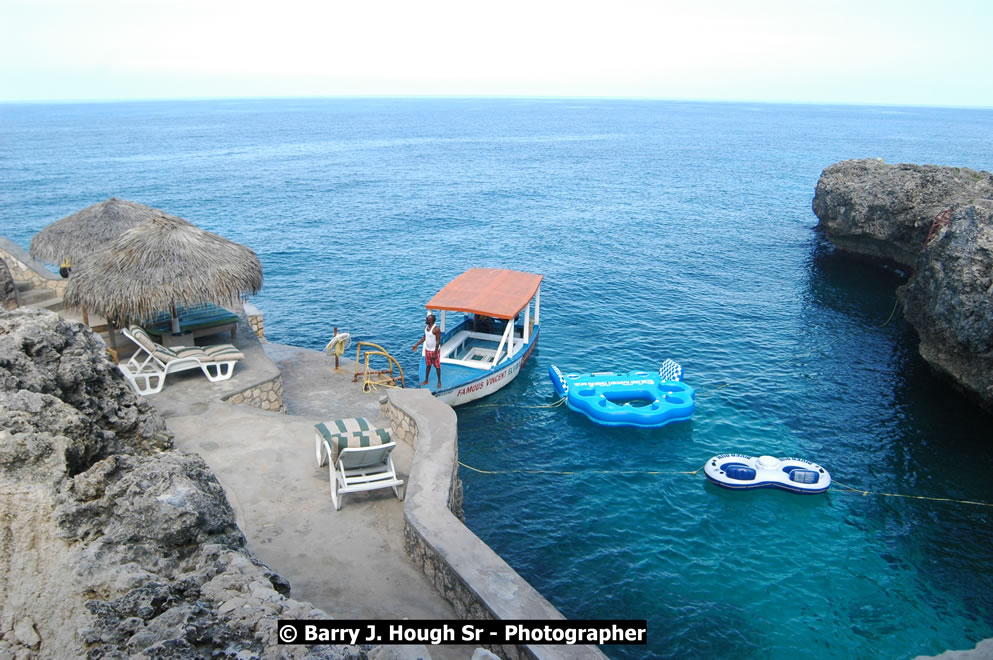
873, 52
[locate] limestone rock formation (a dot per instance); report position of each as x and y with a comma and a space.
871, 209
112, 543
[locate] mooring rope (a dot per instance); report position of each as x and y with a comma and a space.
890, 318
576, 472
850, 489
704, 391
845, 488
554, 404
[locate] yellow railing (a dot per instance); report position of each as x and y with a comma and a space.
374, 378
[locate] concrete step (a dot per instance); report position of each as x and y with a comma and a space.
32, 296
53, 304
23, 285
44, 298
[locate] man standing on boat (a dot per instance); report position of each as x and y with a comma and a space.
432, 348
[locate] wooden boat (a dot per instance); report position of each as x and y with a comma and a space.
488, 331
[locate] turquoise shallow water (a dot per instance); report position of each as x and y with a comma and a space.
677, 230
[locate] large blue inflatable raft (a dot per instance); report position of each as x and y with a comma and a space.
636, 398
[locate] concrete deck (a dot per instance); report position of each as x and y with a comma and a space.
350, 563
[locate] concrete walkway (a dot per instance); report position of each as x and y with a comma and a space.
350, 563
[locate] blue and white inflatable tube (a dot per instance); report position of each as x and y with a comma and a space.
635, 398
743, 472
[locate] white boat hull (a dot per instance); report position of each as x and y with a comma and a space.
488, 382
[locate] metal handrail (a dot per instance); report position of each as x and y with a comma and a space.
386, 377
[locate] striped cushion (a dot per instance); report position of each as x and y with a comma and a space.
143, 338
145, 341
185, 352
221, 353
351, 432
216, 353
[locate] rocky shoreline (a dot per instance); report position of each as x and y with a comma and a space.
113, 543
937, 223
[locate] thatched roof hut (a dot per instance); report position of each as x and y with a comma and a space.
162, 262
85, 232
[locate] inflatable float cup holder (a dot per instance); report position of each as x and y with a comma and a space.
588, 391
768, 462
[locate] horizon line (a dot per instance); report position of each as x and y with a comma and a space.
481, 97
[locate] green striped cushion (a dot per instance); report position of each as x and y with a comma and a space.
216, 353
145, 341
221, 353
352, 432
142, 337
186, 351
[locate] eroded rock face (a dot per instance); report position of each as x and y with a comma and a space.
871, 209
949, 301
113, 544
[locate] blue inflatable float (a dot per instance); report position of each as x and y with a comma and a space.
636, 398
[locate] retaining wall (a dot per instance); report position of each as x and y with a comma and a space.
466, 572
255, 321
267, 396
23, 267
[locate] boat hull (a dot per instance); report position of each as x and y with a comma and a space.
485, 382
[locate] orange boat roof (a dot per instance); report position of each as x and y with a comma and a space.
488, 291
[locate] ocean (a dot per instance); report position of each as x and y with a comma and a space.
664, 230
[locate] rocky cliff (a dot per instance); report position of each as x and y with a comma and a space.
113, 544
872, 209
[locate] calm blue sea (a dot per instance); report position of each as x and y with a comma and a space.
663, 229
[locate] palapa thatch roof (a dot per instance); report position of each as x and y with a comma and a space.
161, 262
85, 232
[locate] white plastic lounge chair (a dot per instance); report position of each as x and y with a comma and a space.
362, 468
349, 432
341, 444
151, 363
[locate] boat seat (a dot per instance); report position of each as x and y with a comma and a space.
739, 472
451, 345
477, 354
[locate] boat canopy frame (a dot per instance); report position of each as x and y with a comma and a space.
496, 293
